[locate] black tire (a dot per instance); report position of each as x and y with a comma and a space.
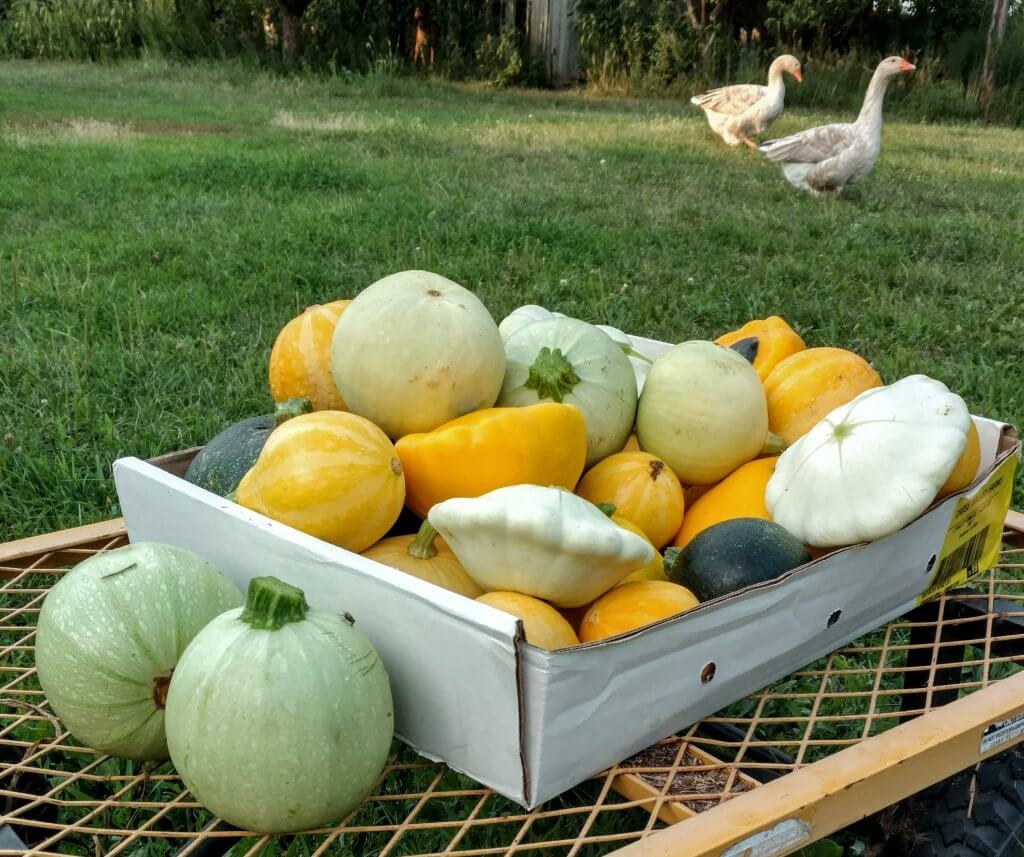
947, 820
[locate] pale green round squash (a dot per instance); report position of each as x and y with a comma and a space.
279, 716
110, 634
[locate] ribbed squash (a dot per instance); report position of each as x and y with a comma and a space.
655, 569
739, 495
966, 466
773, 342
300, 361
544, 444
331, 474
643, 490
544, 626
427, 556
806, 386
632, 606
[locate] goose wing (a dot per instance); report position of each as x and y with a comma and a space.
730, 100
811, 146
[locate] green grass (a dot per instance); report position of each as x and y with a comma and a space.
160, 223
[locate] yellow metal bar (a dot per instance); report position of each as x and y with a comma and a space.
831, 794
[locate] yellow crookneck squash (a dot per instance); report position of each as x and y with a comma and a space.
739, 495
805, 387
643, 490
634, 605
773, 340
543, 444
966, 466
655, 569
331, 474
543, 625
425, 555
300, 361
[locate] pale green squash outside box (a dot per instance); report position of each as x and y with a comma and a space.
111, 632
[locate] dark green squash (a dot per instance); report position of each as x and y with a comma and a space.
747, 348
733, 555
220, 465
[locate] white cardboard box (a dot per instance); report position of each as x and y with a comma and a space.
531, 723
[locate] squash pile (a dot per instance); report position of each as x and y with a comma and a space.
543, 463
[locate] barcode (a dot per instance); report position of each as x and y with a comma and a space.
964, 557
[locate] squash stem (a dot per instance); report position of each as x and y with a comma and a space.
672, 562
271, 604
293, 407
773, 444
607, 508
423, 547
551, 375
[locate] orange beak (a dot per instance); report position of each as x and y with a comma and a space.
906, 66
799, 77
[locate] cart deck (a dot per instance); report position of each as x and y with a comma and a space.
872, 723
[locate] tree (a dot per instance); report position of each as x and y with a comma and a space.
996, 31
293, 42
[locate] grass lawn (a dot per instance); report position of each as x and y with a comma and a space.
158, 225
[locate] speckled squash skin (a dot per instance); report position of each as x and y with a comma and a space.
736, 554
110, 634
280, 730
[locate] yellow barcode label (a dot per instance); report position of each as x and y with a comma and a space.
975, 532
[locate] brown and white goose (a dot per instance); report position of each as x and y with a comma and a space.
737, 112
829, 157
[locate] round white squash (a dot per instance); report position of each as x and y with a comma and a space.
110, 634
415, 350
567, 360
703, 412
871, 466
279, 716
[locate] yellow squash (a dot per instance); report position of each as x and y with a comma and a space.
805, 387
966, 466
543, 444
632, 606
300, 361
774, 341
544, 626
655, 569
331, 474
427, 556
739, 495
643, 490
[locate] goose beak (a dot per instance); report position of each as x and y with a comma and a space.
799, 77
907, 66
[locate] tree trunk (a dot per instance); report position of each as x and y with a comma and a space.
293, 41
996, 31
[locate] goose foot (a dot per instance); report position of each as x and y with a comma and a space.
746, 141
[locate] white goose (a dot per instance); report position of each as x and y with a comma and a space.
736, 112
829, 157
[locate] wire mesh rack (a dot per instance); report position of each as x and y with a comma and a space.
57, 797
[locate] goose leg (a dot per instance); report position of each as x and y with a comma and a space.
746, 141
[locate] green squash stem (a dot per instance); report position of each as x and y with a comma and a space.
607, 508
672, 562
773, 444
422, 547
551, 375
293, 407
270, 604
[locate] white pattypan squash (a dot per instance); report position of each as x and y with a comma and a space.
524, 315
871, 466
567, 360
544, 542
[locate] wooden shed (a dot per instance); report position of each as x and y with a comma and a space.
550, 29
